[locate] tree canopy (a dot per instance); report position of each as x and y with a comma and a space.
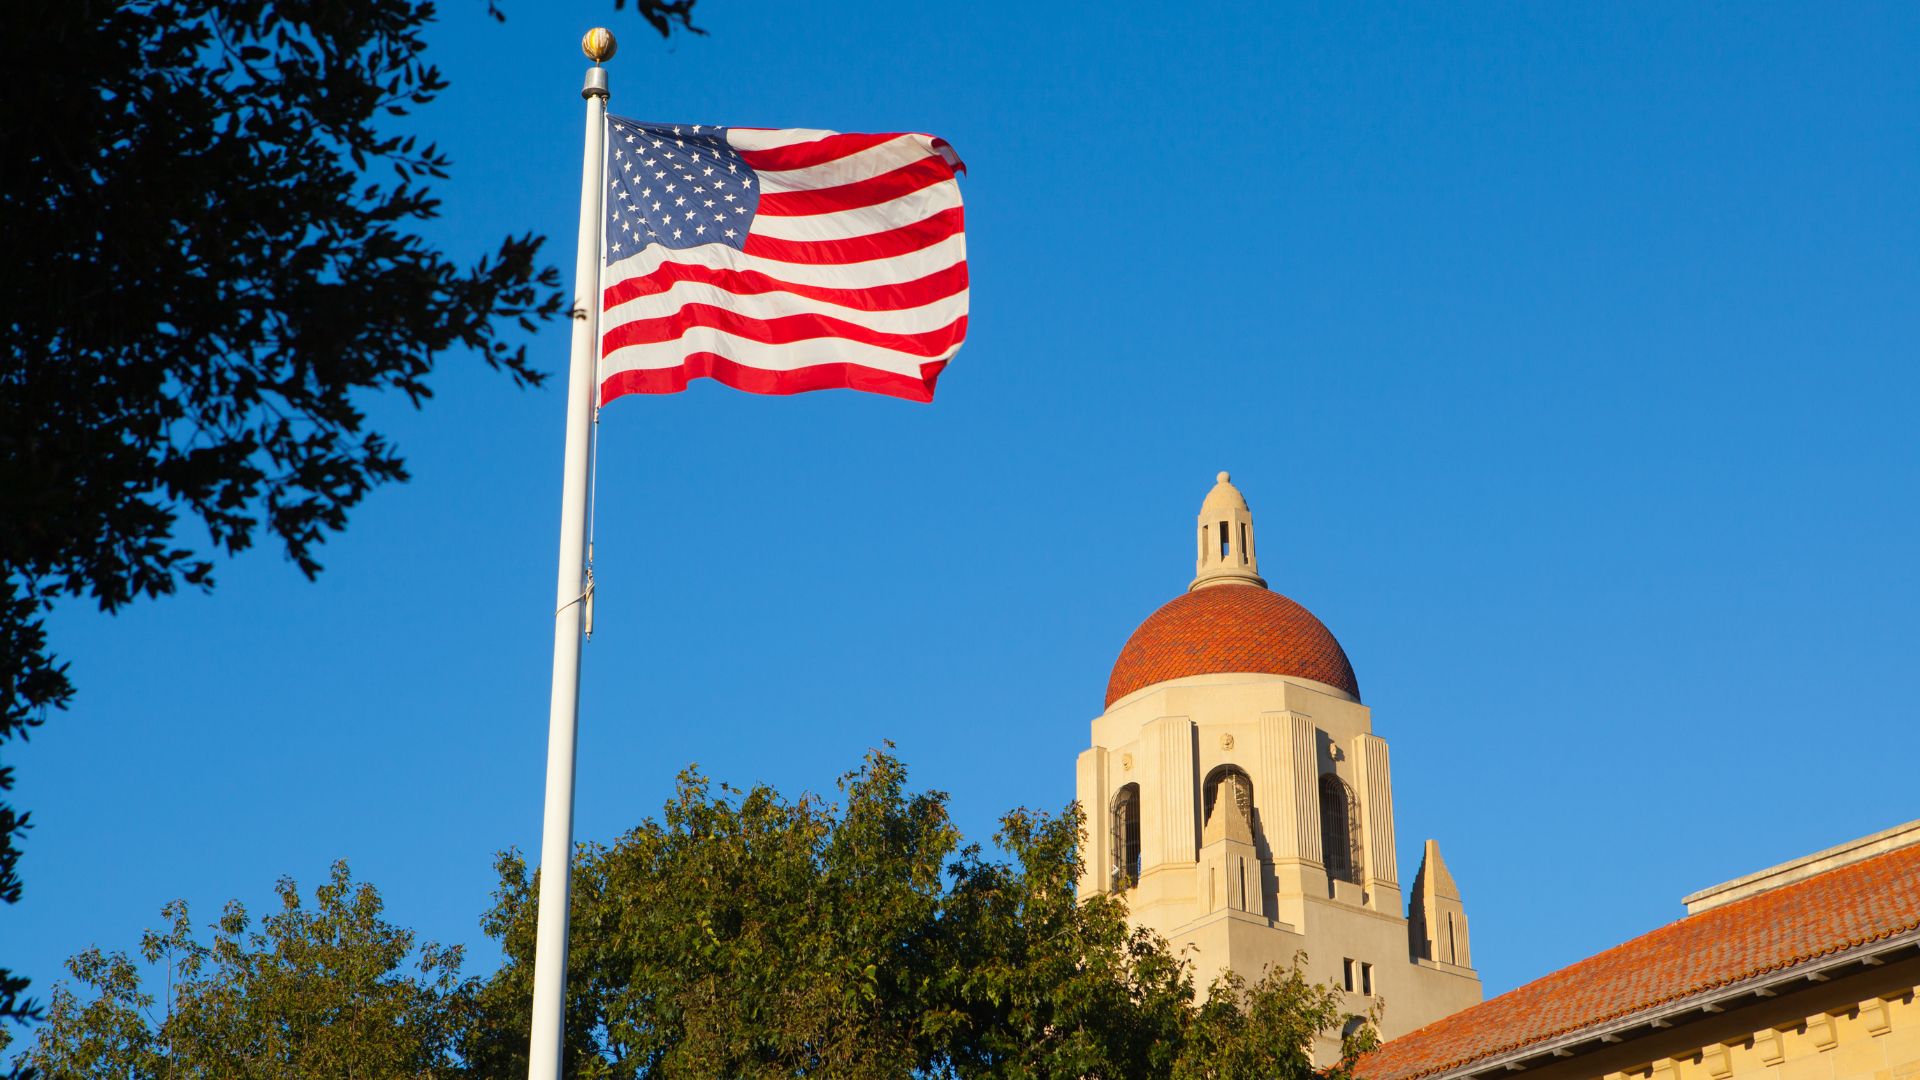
741, 934
213, 214
329, 990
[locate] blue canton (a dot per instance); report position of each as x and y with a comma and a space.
675, 185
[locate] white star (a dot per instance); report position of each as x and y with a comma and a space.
628, 167
707, 203
676, 234
698, 229
616, 245
698, 190
657, 144
728, 197
629, 138
669, 189
646, 193
681, 201
656, 207
731, 234
660, 176
721, 216
708, 171
676, 131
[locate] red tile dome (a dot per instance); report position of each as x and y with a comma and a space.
1230, 628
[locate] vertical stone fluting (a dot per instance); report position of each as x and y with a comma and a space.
1306, 787
1376, 808
1289, 803
1274, 787
1175, 836
1096, 804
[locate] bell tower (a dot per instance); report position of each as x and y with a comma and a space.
1238, 798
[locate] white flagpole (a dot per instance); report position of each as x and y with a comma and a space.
556, 833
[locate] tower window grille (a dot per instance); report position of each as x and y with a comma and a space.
1339, 829
1126, 837
1242, 794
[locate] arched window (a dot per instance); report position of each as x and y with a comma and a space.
1234, 781
1339, 829
1126, 837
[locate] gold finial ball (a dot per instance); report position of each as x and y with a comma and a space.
1222, 478
598, 44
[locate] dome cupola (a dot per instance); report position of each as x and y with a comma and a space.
1228, 621
1226, 539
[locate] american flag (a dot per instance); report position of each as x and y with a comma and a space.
780, 261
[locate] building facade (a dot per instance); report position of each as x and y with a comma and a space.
1236, 793
1804, 971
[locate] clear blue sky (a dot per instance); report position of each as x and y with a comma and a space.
1567, 358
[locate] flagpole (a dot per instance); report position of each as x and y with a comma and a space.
556, 833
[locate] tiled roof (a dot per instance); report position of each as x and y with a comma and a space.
1230, 628
1826, 914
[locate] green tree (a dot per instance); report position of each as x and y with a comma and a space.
742, 935
747, 935
213, 214
327, 990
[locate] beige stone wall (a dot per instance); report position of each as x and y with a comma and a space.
1872, 1038
1283, 733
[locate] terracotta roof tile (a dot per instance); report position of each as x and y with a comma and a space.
1822, 915
1230, 628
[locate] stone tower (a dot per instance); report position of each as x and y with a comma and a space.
1236, 792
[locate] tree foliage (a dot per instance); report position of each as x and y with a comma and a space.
330, 989
213, 214
747, 935
742, 935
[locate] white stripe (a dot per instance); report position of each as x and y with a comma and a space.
769, 138
788, 357
860, 275
865, 165
865, 221
916, 320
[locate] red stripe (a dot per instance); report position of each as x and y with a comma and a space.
706, 365
808, 154
908, 294
947, 149
785, 330
892, 184
881, 245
